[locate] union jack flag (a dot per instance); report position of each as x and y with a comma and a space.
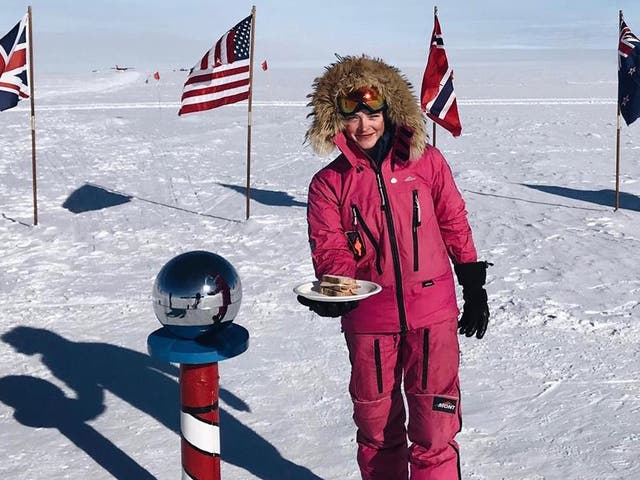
222, 76
437, 97
628, 74
14, 84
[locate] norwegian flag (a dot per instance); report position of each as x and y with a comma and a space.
628, 74
222, 76
437, 97
14, 84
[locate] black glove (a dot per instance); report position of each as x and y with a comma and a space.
328, 309
475, 311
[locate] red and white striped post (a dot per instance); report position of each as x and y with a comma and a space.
200, 422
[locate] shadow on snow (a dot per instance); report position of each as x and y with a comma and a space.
606, 197
149, 385
90, 197
267, 197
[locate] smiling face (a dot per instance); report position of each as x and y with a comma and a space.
364, 128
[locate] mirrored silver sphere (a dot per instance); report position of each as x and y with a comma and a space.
195, 293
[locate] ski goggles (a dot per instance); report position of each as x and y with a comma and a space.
364, 98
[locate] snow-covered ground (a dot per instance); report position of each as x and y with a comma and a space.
124, 185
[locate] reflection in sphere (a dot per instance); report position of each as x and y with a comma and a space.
195, 293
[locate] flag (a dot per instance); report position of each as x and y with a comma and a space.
222, 76
628, 74
437, 97
264, 65
156, 75
14, 84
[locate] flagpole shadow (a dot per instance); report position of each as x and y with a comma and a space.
92, 197
267, 197
527, 200
605, 197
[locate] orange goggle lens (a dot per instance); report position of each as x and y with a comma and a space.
367, 98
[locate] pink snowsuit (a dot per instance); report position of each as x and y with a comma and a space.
398, 225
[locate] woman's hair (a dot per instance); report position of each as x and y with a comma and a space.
348, 74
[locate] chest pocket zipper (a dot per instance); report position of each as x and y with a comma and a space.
357, 218
415, 224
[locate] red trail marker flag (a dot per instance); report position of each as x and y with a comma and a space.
14, 85
437, 97
222, 76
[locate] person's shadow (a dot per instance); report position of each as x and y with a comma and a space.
40, 404
150, 385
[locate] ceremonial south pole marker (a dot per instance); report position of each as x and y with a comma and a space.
196, 297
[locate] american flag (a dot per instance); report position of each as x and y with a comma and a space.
14, 84
437, 97
628, 74
222, 76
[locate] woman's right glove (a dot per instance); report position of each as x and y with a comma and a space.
328, 309
475, 311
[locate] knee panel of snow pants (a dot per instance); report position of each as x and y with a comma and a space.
432, 386
376, 373
433, 400
378, 407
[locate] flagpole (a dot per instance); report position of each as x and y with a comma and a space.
435, 14
33, 119
253, 27
617, 202
618, 162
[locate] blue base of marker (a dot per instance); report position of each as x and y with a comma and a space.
221, 345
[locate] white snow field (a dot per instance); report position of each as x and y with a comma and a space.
552, 392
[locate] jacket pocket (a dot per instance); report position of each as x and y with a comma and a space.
378, 362
425, 359
358, 221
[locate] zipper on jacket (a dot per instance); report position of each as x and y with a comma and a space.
358, 217
415, 225
397, 272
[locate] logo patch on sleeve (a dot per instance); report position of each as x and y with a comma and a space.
356, 244
447, 405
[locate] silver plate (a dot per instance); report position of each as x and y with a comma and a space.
311, 290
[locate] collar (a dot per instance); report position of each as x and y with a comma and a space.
400, 147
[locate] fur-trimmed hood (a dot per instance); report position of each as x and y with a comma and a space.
348, 74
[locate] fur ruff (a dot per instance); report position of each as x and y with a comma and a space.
348, 74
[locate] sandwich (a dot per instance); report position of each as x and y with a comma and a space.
338, 286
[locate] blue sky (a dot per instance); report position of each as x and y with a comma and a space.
72, 35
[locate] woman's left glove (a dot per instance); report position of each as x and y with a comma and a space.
328, 309
475, 311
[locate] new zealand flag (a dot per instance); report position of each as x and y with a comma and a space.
628, 74
13, 66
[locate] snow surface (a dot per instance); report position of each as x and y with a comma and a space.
124, 185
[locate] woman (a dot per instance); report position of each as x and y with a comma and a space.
387, 210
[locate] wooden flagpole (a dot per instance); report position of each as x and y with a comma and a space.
253, 28
618, 162
33, 118
435, 14
617, 202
